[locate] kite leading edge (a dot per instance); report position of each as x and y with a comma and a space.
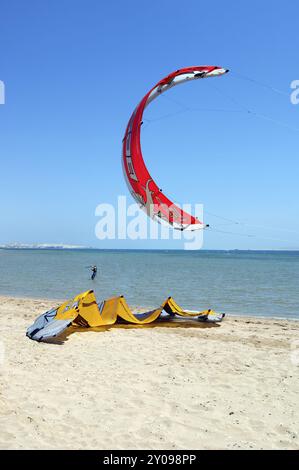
140, 183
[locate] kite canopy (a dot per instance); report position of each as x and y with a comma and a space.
84, 311
140, 183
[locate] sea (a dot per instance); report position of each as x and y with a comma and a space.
252, 283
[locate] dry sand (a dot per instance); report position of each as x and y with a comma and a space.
227, 387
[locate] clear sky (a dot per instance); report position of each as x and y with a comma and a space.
74, 71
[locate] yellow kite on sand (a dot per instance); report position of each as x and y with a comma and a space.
84, 311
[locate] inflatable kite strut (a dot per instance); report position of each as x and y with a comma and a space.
140, 183
84, 311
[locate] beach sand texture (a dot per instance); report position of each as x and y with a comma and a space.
188, 386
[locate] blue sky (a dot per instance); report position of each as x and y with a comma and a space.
74, 71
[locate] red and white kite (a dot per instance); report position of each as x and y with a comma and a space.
141, 185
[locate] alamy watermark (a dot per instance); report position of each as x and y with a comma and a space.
2, 92
295, 93
127, 221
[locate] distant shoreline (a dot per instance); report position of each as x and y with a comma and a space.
218, 250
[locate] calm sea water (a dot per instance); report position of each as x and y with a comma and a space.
237, 282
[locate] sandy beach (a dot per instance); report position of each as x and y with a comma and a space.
188, 386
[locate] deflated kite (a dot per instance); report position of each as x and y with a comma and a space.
84, 311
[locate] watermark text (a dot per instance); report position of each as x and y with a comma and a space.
295, 93
2, 92
127, 221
